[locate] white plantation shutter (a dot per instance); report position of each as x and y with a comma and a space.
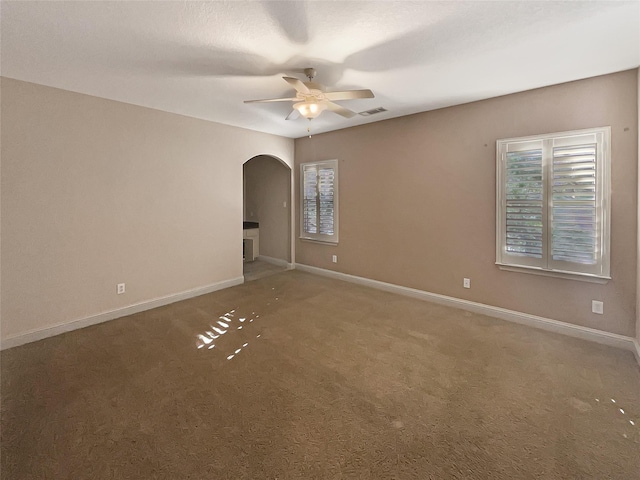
553, 203
319, 203
310, 199
524, 203
326, 178
574, 226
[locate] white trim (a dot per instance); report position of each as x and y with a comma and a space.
577, 331
321, 242
581, 277
276, 261
39, 334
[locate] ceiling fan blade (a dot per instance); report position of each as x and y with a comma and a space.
340, 110
297, 84
349, 94
293, 115
272, 100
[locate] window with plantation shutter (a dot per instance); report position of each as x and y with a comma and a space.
319, 201
553, 203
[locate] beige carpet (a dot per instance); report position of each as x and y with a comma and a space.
260, 269
324, 380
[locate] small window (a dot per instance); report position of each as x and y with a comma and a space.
553, 206
319, 201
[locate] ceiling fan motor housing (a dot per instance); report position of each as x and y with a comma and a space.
315, 86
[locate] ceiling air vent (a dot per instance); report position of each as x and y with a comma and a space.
373, 111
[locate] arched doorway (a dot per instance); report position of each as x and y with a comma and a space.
267, 206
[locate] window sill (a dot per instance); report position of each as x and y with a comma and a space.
321, 242
581, 277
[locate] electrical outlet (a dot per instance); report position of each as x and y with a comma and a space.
597, 307
334, 259
120, 289
284, 204
466, 283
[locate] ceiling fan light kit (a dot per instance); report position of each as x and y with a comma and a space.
310, 109
312, 98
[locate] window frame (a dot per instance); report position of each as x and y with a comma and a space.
320, 237
600, 272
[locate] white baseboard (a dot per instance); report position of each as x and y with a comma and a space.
276, 261
585, 333
39, 334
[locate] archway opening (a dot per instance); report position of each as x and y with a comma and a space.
266, 216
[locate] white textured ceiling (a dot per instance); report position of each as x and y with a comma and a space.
202, 59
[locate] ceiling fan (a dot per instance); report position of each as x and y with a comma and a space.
312, 98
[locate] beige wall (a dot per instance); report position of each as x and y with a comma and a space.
96, 192
267, 184
417, 200
637, 241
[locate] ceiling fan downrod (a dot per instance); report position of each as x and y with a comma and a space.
310, 73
